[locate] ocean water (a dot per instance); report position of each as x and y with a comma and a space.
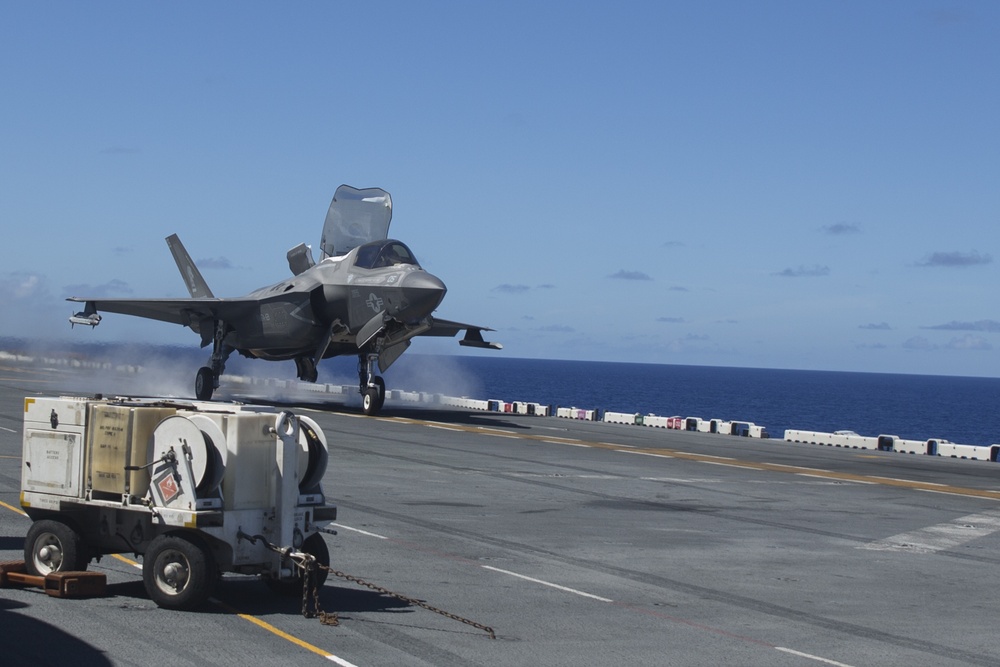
919, 407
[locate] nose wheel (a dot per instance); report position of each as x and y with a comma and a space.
373, 396
207, 380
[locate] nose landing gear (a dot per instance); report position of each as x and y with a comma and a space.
372, 386
207, 379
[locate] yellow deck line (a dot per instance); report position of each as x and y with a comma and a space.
273, 630
253, 619
12, 508
246, 617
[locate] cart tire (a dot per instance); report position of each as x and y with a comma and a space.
314, 545
178, 571
53, 546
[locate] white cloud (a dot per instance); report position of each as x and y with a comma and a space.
841, 228
980, 325
630, 275
112, 288
955, 259
804, 272
918, 343
969, 342
21, 286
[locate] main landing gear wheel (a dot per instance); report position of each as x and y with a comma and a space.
178, 571
204, 384
374, 397
52, 546
315, 546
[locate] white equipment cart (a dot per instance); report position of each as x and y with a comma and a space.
196, 489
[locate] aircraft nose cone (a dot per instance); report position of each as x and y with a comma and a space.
422, 293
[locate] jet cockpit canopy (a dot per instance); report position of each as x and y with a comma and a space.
380, 254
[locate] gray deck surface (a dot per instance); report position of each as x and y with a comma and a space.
579, 543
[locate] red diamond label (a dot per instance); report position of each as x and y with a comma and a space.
168, 487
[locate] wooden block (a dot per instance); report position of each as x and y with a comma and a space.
75, 584
15, 573
10, 567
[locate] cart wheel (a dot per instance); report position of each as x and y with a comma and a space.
178, 571
314, 545
53, 546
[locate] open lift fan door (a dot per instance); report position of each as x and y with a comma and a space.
204, 441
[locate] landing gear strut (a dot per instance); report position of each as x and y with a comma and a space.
207, 380
372, 386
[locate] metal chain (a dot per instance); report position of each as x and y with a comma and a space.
309, 588
308, 564
309, 582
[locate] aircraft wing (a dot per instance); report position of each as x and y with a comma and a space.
473, 333
186, 312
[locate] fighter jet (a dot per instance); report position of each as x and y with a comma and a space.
367, 296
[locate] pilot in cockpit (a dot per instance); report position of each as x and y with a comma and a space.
391, 257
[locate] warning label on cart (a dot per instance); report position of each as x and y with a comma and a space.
167, 486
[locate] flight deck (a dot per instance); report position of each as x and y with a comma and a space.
578, 543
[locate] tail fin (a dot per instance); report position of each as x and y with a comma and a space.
192, 276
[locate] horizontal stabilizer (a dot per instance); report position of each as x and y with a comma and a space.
473, 333
474, 338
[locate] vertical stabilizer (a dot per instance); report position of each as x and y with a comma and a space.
192, 276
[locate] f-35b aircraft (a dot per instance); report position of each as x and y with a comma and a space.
367, 296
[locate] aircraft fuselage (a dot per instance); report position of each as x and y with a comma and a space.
335, 298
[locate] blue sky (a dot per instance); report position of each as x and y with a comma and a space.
769, 184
